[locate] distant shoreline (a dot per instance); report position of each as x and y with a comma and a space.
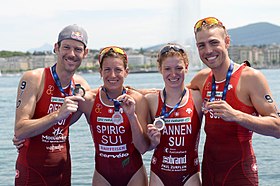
3, 74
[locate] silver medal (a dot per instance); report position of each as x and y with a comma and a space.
117, 118
159, 123
79, 90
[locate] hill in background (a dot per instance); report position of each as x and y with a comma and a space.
262, 33
255, 34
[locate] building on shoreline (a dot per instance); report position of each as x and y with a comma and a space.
264, 56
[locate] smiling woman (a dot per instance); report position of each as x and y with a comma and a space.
175, 159
118, 126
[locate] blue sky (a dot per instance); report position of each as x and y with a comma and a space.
27, 24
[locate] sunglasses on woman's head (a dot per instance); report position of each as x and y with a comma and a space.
174, 47
115, 49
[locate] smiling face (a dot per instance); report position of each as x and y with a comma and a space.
113, 73
70, 54
173, 70
173, 64
212, 45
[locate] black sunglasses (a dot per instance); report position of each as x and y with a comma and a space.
167, 48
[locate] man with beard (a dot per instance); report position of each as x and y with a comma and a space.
45, 104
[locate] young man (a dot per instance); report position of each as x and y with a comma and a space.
235, 96
45, 104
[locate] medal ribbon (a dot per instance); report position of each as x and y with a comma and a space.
213, 91
165, 114
117, 103
57, 81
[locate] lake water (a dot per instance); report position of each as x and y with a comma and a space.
266, 148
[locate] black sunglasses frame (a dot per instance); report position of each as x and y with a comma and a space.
167, 48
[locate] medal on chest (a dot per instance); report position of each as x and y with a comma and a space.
117, 117
159, 122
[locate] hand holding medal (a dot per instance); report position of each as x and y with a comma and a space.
204, 107
159, 123
77, 90
117, 118
127, 103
